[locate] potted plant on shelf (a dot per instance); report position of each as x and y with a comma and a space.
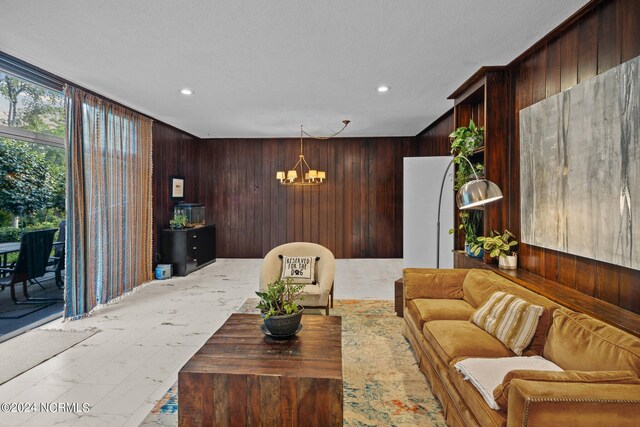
500, 246
278, 308
178, 222
464, 141
470, 224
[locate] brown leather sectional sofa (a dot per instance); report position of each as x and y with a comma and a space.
438, 305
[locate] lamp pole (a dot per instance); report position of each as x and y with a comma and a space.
444, 177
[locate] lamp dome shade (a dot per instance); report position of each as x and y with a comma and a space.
477, 193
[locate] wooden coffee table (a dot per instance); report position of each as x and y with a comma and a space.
242, 377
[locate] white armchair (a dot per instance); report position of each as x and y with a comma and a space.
319, 295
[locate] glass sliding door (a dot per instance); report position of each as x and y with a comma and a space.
32, 198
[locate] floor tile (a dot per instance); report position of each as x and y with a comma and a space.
145, 338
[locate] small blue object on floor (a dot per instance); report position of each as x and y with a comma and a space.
164, 271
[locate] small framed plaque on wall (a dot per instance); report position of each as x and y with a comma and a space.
177, 188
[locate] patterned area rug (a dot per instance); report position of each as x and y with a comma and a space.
382, 382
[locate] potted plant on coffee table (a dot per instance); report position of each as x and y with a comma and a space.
279, 309
500, 246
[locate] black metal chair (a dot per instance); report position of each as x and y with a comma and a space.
35, 248
56, 262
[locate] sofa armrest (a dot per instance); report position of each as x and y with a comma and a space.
536, 403
433, 283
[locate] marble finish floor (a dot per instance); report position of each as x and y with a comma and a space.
147, 337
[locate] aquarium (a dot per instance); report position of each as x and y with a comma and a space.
193, 211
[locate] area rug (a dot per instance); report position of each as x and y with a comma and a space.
30, 349
382, 382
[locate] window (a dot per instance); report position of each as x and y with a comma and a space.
31, 112
32, 157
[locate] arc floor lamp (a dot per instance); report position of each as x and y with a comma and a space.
474, 193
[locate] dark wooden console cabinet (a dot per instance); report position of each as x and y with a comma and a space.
189, 249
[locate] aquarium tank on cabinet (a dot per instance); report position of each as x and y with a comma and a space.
193, 211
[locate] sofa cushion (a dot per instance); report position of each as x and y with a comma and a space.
426, 310
433, 283
458, 338
580, 342
501, 393
478, 285
510, 319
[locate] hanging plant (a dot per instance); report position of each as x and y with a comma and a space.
464, 141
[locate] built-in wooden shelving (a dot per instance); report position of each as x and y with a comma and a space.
568, 297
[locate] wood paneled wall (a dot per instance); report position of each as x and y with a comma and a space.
434, 140
357, 213
600, 40
174, 153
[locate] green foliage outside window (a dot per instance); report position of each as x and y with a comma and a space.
32, 176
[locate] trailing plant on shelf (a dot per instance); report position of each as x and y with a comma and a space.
470, 225
279, 298
464, 141
178, 221
499, 246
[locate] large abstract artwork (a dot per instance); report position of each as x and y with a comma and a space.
580, 169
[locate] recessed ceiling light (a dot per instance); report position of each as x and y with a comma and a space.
186, 91
383, 88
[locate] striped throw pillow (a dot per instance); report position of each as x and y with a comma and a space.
508, 318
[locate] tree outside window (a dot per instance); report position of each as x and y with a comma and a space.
32, 158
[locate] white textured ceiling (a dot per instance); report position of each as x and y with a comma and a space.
262, 68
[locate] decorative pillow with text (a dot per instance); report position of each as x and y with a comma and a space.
300, 269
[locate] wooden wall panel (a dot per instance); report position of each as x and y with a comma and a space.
630, 29
598, 41
174, 153
499, 143
357, 213
434, 140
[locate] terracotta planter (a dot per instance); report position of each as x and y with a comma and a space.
508, 262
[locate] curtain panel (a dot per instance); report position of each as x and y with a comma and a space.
109, 226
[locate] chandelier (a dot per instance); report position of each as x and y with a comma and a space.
307, 175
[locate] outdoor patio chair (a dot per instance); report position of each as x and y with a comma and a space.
56, 261
33, 258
